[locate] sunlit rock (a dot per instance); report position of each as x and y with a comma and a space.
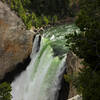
15, 41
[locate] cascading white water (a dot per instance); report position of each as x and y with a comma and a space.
41, 80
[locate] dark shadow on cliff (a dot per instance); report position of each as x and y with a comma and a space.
10, 76
64, 91
20, 67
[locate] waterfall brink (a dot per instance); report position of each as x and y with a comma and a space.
42, 78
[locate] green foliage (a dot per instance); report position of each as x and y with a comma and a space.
45, 20
20, 7
5, 90
39, 12
86, 45
50, 7
54, 19
87, 82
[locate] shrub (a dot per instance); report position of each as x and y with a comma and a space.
88, 83
86, 45
41, 8
5, 90
45, 20
54, 19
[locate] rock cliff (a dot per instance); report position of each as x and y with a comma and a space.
15, 40
73, 66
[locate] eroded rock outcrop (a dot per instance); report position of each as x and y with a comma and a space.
15, 41
73, 66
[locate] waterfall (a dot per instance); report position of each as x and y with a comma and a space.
41, 80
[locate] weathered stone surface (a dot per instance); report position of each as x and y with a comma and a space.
77, 97
73, 66
15, 41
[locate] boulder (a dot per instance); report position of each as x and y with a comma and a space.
77, 97
15, 40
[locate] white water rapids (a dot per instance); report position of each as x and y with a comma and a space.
42, 78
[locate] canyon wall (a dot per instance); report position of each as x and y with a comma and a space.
15, 40
73, 66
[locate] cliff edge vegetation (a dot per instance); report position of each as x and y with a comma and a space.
40, 12
86, 45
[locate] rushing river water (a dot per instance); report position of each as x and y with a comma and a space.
42, 78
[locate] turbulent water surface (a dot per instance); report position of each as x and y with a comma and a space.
42, 78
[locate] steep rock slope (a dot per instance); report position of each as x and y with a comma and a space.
15, 41
73, 66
